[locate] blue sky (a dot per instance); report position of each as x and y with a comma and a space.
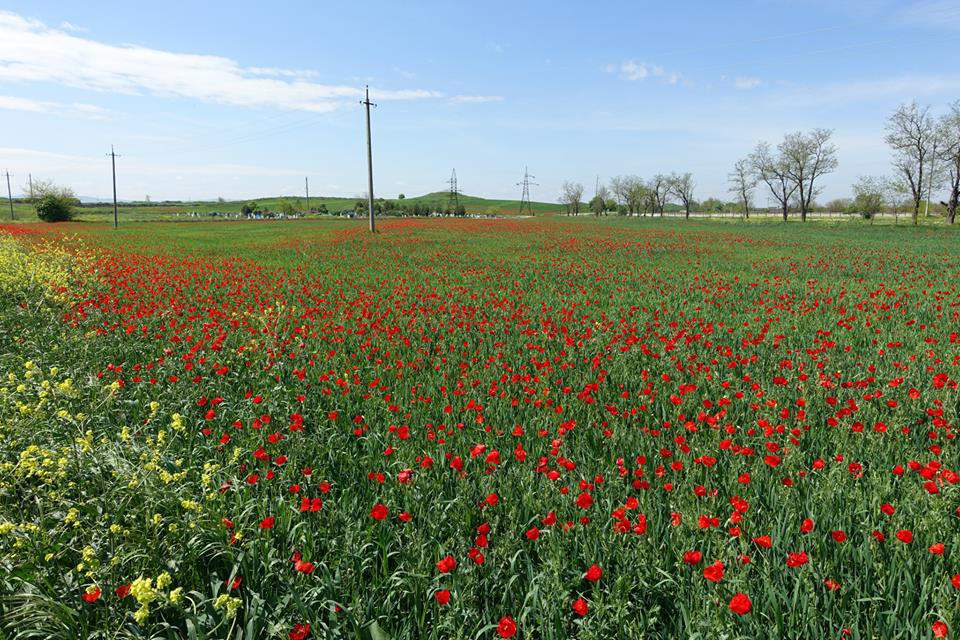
237, 99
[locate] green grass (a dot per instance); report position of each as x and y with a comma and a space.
617, 345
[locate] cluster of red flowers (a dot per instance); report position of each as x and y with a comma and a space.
734, 422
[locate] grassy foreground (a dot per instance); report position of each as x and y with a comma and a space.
478, 429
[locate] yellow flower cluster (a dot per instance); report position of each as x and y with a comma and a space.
227, 603
29, 275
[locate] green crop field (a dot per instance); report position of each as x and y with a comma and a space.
141, 212
546, 427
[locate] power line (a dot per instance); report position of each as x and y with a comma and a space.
525, 197
366, 102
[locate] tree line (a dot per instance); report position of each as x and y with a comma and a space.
926, 160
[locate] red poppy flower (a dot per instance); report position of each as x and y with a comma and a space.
714, 572
580, 607
692, 557
533, 533
940, 629
839, 536
267, 523
507, 627
905, 536
92, 595
379, 511
937, 548
955, 580
798, 559
740, 604
299, 631
593, 573
763, 541
447, 564
442, 596
124, 590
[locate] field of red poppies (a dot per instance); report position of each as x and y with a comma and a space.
479, 429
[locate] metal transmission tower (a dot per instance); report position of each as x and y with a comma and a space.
113, 165
525, 198
453, 198
366, 102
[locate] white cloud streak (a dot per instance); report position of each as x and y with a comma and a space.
30, 51
633, 71
474, 99
746, 83
16, 103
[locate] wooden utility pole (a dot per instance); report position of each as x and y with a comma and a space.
366, 102
30, 178
113, 165
306, 185
9, 195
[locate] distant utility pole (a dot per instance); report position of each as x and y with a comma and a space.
30, 178
306, 186
525, 198
9, 195
366, 102
453, 199
113, 165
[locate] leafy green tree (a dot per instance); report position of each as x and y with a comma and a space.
249, 208
288, 208
53, 203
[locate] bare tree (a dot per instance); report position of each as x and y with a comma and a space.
681, 185
806, 158
772, 170
618, 187
636, 194
949, 155
742, 181
911, 133
571, 194
659, 188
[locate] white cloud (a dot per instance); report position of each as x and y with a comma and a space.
743, 82
69, 26
632, 70
30, 51
16, 103
13, 103
474, 99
